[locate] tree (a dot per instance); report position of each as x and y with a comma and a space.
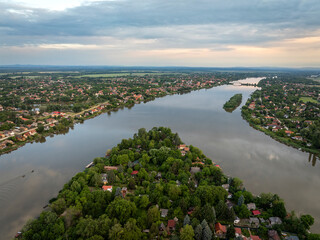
132, 184
221, 210
186, 220
131, 230
118, 192
307, 221
86, 228
187, 233
206, 233
116, 232
279, 209
95, 180
240, 200
121, 209
144, 201
153, 215
198, 232
242, 211
111, 177
59, 206
230, 232
40, 128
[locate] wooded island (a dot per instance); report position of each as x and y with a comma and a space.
233, 103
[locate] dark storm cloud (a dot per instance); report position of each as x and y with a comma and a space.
185, 21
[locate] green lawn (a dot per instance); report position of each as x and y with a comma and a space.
308, 99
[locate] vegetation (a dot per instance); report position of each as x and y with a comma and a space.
233, 103
287, 108
153, 186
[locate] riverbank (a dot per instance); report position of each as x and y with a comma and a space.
283, 140
278, 111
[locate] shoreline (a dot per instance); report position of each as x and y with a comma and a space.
282, 140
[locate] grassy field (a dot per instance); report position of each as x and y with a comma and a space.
308, 99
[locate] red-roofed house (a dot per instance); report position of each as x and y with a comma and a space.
171, 225
256, 212
134, 173
238, 232
109, 168
253, 237
220, 230
107, 188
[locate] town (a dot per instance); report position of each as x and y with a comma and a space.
32, 107
287, 109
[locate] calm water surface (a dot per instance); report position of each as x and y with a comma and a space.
262, 163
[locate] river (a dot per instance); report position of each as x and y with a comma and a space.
33, 174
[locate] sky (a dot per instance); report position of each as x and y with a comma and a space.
194, 33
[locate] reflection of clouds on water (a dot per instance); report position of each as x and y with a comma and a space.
272, 157
40, 186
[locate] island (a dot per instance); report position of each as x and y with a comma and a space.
287, 108
153, 186
233, 103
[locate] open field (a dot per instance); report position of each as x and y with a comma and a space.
127, 74
308, 99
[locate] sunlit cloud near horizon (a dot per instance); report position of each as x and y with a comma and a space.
207, 33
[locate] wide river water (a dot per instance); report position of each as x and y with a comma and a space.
262, 163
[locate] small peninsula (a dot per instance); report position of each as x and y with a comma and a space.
153, 186
233, 103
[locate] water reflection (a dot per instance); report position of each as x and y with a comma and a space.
313, 159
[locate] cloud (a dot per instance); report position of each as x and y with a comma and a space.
162, 25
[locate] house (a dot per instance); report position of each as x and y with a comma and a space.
104, 178
226, 187
158, 176
3, 146
253, 237
275, 220
229, 204
221, 230
273, 235
107, 188
20, 138
254, 221
109, 168
162, 228
292, 238
236, 220
124, 191
251, 206
32, 132
51, 120
164, 212
134, 173
256, 212
194, 170
238, 232
171, 226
